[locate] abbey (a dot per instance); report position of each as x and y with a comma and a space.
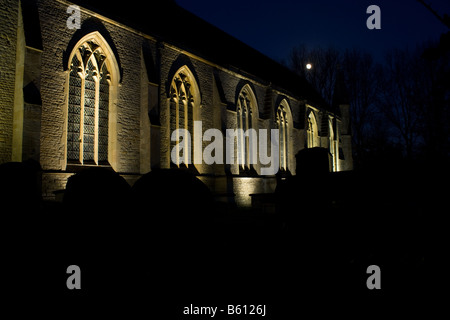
111, 93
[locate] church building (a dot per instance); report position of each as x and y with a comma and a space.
106, 84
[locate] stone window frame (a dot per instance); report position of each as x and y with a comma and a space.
312, 130
333, 142
246, 118
284, 122
103, 54
185, 93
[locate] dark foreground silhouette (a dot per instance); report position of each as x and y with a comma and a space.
164, 243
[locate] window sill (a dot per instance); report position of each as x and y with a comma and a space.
77, 167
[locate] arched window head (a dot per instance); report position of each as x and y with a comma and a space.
246, 111
88, 105
283, 118
312, 131
184, 99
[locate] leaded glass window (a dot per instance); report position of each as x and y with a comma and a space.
181, 110
244, 124
282, 124
88, 108
333, 143
312, 133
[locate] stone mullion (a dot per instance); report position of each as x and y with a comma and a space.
310, 133
180, 123
281, 142
96, 118
240, 136
186, 121
81, 139
279, 135
284, 144
173, 119
249, 126
244, 139
286, 131
190, 127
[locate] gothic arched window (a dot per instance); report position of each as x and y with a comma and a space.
246, 142
182, 99
88, 107
333, 143
282, 124
312, 133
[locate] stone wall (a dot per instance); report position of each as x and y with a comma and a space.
8, 40
140, 110
53, 181
57, 40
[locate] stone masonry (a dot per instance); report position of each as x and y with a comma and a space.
140, 111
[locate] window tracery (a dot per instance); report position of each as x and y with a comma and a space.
88, 107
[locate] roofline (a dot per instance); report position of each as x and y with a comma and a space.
240, 73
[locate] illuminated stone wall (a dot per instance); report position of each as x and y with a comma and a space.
8, 40
171, 61
243, 187
147, 68
56, 40
346, 139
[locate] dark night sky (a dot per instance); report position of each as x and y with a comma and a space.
274, 27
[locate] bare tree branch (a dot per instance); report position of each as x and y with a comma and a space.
441, 19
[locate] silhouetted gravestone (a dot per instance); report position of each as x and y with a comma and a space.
312, 161
305, 195
174, 197
20, 198
96, 189
96, 228
21, 225
20, 186
173, 221
95, 203
304, 203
